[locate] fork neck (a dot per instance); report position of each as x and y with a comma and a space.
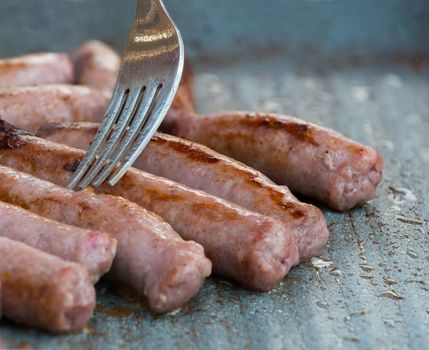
147, 9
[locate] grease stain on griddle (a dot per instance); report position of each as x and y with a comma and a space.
116, 311
120, 312
25, 345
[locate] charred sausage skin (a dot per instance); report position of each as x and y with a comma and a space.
201, 168
311, 160
253, 249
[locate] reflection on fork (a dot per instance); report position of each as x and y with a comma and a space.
149, 76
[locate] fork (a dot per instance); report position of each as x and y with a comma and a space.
149, 76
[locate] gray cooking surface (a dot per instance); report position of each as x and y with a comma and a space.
370, 287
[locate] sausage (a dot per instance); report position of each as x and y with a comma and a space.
96, 65
94, 250
201, 168
151, 257
42, 290
311, 160
32, 107
255, 250
35, 69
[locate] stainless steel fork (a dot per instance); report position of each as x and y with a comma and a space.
148, 79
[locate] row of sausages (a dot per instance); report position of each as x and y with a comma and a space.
184, 211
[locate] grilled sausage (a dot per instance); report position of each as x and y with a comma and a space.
312, 160
201, 168
32, 107
39, 289
35, 69
96, 65
151, 257
255, 250
94, 250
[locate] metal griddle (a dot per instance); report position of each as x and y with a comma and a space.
360, 67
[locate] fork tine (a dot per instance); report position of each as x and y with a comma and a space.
153, 122
110, 116
112, 141
135, 127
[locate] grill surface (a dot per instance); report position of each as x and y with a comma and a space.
370, 288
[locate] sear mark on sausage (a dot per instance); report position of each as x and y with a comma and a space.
192, 152
49, 128
301, 131
72, 165
10, 136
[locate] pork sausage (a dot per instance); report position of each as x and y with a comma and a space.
35, 69
94, 250
39, 289
311, 160
32, 107
96, 65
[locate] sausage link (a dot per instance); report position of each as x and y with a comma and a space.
311, 160
96, 65
31, 107
36, 69
94, 250
39, 289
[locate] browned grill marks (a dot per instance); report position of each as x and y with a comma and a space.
301, 131
192, 152
72, 165
9, 136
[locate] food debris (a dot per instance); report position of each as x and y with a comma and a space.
366, 267
409, 220
412, 254
319, 264
402, 194
391, 294
389, 281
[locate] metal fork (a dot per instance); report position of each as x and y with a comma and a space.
148, 79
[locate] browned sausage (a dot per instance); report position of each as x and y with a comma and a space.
151, 257
94, 250
255, 250
32, 107
312, 160
34, 69
201, 168
39, 289
96, 65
